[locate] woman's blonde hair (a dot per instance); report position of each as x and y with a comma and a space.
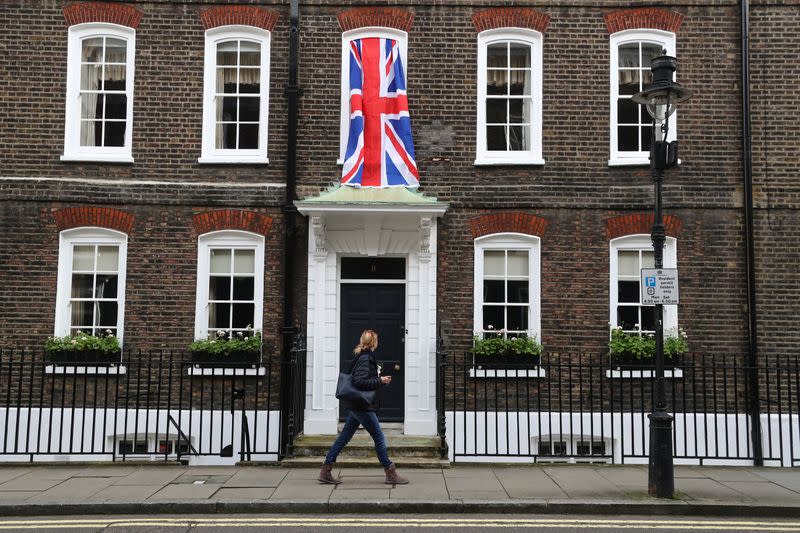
369, 341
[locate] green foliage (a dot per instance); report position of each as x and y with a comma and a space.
644, 346
224, 345
83, 342
495, 346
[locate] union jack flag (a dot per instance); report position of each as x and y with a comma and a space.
380, 151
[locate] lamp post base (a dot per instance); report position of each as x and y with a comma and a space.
661, 476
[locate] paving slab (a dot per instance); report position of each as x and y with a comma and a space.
74, 489
477, 495
302, 473
581, 482
188, 479
432, 489
786, 477
361, 494
244, 494
731, 474
150, 476
256, 477
361, 482
7, 474
30, 482
528, 483
186, 492
302, 489
709, 490
361, 472
767, 492
125, 493
106, 471
629, 479
17, 496
688, 471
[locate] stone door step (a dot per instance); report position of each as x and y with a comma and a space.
367, 462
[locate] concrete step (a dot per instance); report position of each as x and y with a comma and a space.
367, 462
362, 445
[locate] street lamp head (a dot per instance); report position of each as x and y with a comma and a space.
662, 96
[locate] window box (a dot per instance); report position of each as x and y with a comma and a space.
628, 361
232, 359
83, 357
509, 360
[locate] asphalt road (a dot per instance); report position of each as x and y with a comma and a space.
391, 523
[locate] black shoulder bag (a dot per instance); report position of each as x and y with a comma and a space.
347, 391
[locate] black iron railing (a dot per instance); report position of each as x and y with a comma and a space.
148, 405
580, 407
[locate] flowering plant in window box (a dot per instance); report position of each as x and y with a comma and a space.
84, 348
499, 351
633, 349
226, 348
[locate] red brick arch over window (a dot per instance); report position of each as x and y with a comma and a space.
510, 17
384, 17
643, 18
640, 223
509, 222
258, 17
101, 217
113, 13
232, 219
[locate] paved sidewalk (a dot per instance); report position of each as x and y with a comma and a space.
602, 489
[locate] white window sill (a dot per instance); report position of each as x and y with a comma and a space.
638, 374
536, 372
498, 161
223, 371
97, 158
233, 160
86, 369
632, 162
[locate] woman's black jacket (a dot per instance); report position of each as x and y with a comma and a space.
365, 377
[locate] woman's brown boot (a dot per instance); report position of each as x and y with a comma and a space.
326, 475
393, 478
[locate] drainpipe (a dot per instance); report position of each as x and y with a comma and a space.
747, 160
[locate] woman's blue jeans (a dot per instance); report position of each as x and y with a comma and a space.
369, 420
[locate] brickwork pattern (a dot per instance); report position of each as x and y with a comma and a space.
508, 223
638, 223
644, 17
102, 217
510, 17
243, 15
232, 219
113, 13
385, 17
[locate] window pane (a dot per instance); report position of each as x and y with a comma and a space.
250, 54
229, 109
628, 263
647, 137
648, 318
116, 50
648, 260
91, 132
219, 315
105, 286
520, 82
650, 51
496, 138
627, 111
627, 317
628, 138
629, 81
517, 318
494, 263
92, 50
520, 55
243, 315
107, 258
518, 138
494, 291
497, 82
116, 106
83, 258
82, 286
114, 78
82, 314
226, 80
226, 53
226, 136
497, 55
248, 136
517, 263
496, 110
518, 292
493, 317
115, 134
106, 314
628, 291
219, 288
91, 105
244, 261
91, 77
629, 55
248, 109
520, 111
250, 80
243, 288
220, 261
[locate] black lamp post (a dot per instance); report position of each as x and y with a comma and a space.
660, 98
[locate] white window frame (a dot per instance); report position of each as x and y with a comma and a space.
227, 239
347, 37
662, 38
640, 242
209, 153
73, 151
87, 236
530, 157
510, 241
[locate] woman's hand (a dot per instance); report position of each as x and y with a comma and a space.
386, 379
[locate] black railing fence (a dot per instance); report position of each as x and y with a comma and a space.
149, 405
574, 407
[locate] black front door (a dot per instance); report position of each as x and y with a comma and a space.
380, 307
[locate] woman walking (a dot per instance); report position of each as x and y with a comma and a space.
365, 377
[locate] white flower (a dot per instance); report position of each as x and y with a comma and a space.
239, 333
490, 326
245, 338
220, 333
74, 341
